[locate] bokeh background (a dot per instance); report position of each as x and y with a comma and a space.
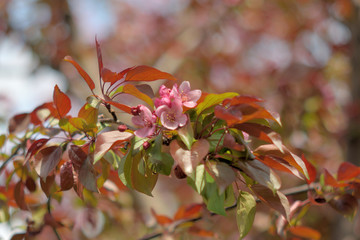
301, 56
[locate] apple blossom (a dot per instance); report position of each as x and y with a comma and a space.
144, 119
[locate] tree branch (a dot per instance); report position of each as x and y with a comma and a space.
287, 192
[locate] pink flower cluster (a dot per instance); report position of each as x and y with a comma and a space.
169, 109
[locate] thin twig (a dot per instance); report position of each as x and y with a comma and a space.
49, 211
287, 192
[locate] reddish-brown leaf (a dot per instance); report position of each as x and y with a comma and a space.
347, 171
146, 73
201, 232
81, 71
261, 132
279, 164
106, 140
132, 90
30, 184
66, 176
34, 118
87, 175
241, 100
62, 102
188, 212
120, 106
47, 185
77, 156
311, 170
292, 159
99, 57
19, 236
49, 158
35, 146
345, 204
110, 76
331, 181
161, 219
19, 195
277, 201
305, 232
78, 187
19, 123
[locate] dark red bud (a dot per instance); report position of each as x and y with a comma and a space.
122, 128
179, 173
146, 145
135, 110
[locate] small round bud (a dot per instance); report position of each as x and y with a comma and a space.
146, 145
122, 128
179, 173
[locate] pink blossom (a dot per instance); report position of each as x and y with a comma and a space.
164, 97
188, 97
146, 120
172, 117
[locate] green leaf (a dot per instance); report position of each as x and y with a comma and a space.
245, 212
93, 101
118, 90
224, 175
186, 134
125, 169
159, 162
213, 99
215, 202
142, 178
67, 126
197, 178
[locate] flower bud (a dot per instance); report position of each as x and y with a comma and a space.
146, 145
135, 111
179, 173
122, 128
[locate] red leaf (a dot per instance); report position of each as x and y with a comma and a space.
77, 156
30, 184
66, 176
19, 195
345, 204
110, 76
146, 73
19, 123
132, 90
62, 102
277, 201
120, 106
201, 232
311, 170
292, 159
49, 158
261, 132
241, 100
34, 118
100, 62
87, 175
191, 211
161, 219
279, 164
347, 171
46, 185
331, 181
35, 146
81, 71
305, 232
106, 140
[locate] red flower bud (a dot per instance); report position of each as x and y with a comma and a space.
146, 145
122, 128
